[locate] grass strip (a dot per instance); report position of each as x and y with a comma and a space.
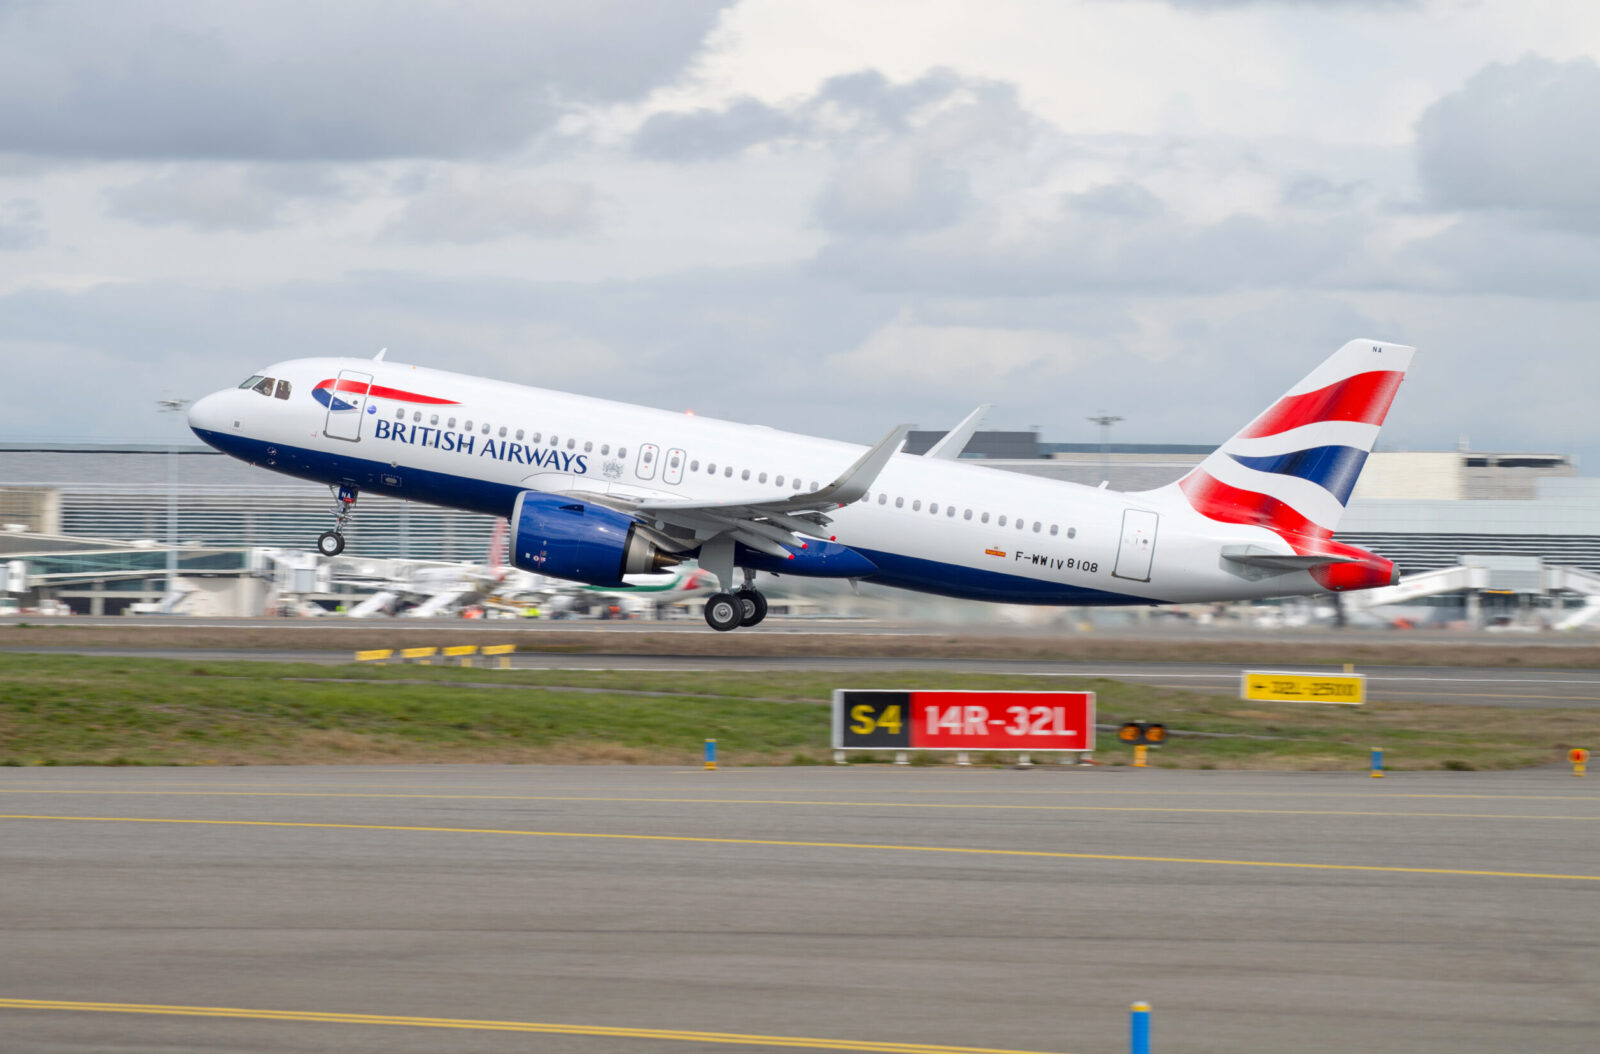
57, 709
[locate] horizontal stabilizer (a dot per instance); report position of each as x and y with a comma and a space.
1257, 556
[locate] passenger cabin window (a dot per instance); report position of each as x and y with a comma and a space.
400, 415
728, 471
967, 515
486, 428
605, 449
417, 417
450, 423
745, 474
283, 390
899, 503
587, 447
778, 482
1055, 528
1002, 521
572, 444
502, 431
534, 438
519, 435
984, 518
694, 466
883, 499
1072, 532
622, 451
761, 478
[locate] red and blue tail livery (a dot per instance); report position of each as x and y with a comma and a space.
1293, 468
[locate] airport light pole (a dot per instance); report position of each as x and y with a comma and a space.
1105, 421
172, 406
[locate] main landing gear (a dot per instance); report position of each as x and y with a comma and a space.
747, 607
331, 543
726, 611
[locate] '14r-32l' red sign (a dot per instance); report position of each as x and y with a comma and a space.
963, 720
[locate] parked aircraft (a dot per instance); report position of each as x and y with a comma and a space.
596, 490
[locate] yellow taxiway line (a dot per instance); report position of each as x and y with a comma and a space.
788, 844
547, 1028
644, 800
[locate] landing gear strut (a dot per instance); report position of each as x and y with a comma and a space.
750, 599
331, 543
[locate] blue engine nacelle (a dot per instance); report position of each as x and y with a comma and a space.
575, 539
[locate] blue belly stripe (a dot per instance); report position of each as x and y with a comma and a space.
1333, 468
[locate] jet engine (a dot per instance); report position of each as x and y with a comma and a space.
578, 540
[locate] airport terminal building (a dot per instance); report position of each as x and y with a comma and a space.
1512, 512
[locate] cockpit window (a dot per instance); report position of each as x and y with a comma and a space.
265, 386
250, 382
283, 390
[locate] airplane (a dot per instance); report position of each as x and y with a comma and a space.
595, 490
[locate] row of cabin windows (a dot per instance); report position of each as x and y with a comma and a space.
967, 514
521, 435
760, 477
278, 389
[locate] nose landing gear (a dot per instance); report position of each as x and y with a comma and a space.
331, 543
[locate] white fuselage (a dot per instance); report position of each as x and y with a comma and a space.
950, 527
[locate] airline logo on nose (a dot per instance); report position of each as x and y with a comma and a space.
324, 393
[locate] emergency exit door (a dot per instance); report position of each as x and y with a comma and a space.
347, 404
1138, 544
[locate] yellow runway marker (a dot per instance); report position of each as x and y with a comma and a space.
980, 806
781, 843
471, 1024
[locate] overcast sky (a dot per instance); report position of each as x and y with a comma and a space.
825, 216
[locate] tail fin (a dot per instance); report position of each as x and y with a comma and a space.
1292, 469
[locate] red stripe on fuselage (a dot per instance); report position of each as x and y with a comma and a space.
1364, 398
378, 391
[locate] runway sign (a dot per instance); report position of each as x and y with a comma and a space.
930, 720
1270, 686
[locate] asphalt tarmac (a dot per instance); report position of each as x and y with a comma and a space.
608, 910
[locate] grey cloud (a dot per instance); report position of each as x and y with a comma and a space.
1125, 199
1516, 136
1497, 253
462, 213
211, 196
849, 109
893, 191
1110, 239
21, 225
300, 79
705, 134
1318, 193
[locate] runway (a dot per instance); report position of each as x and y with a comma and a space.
633, 909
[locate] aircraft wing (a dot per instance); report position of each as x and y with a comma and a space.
767, 523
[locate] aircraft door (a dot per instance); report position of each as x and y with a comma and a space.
1138, 544
672, 472
645, 468
347, 405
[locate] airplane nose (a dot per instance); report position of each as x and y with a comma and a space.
209, 414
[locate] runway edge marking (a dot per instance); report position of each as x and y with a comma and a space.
548, 1028
863, 846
